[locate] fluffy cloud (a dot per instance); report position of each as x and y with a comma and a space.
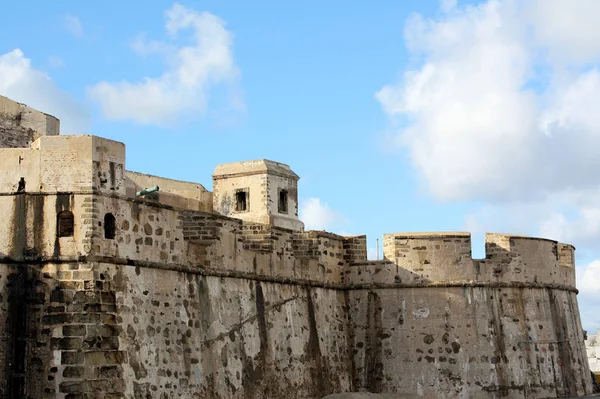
73, 25
317, 215
566, 29
447, 5
182, 91
588, 283
21, 82
496, 113
500, 104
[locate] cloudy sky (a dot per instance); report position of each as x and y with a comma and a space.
398, 116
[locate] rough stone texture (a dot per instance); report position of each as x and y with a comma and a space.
175, 193
262, 180
21, 125
592, 346
175, 300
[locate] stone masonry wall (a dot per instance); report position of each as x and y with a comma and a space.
468, 342
187, 336
21, 125
237, 309
435, 322
592, 346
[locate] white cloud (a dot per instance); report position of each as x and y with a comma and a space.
500, 105
447, 5
317, 215
485, 116
588, 283
73, 25
567, 29
182, 91
21, 82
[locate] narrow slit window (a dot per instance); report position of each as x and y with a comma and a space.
109, 226
241, 201
283, 201
65, 224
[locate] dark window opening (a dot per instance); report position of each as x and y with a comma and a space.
109, 226
65, 224
283, 201
241, 201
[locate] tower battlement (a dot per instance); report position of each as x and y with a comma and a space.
444, 257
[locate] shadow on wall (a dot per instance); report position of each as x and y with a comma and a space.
383, 320
362, 395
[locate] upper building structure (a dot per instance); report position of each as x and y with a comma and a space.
260, 191
115, 284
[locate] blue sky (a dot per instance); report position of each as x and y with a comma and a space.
398, 116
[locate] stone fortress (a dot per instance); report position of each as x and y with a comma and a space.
108, 290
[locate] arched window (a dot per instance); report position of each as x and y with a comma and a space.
109, 226
65, 225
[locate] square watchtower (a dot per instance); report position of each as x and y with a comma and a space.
260, 191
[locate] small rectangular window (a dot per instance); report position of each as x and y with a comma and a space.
66, 224
283, 201
241, 201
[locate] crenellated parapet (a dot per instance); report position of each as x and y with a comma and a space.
433, 258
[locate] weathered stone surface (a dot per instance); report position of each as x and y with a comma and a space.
169, 296
592, 346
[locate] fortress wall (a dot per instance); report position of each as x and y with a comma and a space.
142, 232
179, 194
66, 164
150, 233
479, 342
48, 327
30, 228
192, 336
17, 163
20, 125
108, 166
434, 256
527, 260
53, 164
63, 338
148, 332
319, 256
506, 325
355, 249
446, 257
6, 324
494, 331
252, 248
566, 265
382, 272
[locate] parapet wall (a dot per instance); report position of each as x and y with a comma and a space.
446, 258
21, 125
175, 193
